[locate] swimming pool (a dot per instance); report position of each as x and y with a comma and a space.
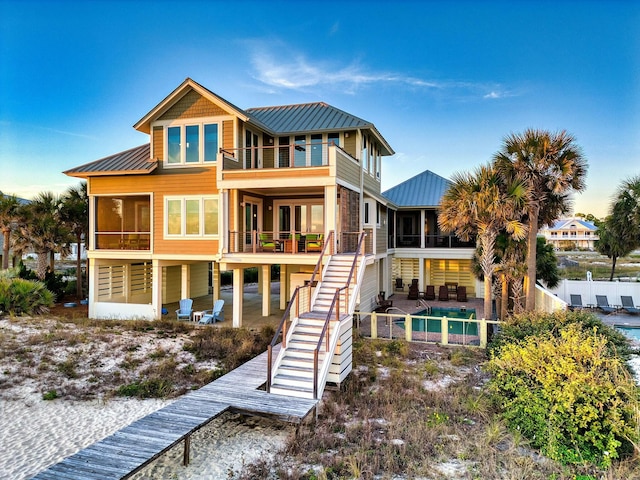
631, 332
434, 325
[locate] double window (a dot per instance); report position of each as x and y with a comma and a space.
191, 217
192, 144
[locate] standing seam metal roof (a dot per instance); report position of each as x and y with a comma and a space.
306, 117
424, 190
132, 161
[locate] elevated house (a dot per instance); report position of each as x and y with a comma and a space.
570, 234
218, 188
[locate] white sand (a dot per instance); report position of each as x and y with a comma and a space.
35, 434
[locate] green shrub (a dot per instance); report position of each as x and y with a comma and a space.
568, 394
19, 296
151, 388
50, 395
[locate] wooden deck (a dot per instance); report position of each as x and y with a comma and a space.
132, 448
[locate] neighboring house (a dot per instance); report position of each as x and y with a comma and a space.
571, 234
21, 201
218, 188
419, 249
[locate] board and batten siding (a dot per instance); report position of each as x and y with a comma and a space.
176, 181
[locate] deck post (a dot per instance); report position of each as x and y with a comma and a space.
408, 328
445, 331
187, 448
374, 325
483, 333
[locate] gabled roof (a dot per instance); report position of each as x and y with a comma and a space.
565, 224
424, 190
134, 161
314, 117
21, 201
144, 124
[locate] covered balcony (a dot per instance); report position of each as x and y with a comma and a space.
123, 222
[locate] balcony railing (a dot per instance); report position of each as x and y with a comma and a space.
430, 241
123, 241
298, 155
292, 243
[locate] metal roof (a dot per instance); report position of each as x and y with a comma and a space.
133, 161
424, 190
565, 223
306, 117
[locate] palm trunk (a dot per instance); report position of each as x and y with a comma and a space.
41, 266
505, 298
614, 259
530, 284
6, 232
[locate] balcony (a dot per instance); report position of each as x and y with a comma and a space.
294, 243
430, 241
123, 241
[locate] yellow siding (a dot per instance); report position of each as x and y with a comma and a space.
192, 105
350, 143
283, 173
191, 181
227, 135
158, 143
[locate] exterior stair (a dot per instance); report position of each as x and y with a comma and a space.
294, 370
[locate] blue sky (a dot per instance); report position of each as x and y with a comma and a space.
444, 81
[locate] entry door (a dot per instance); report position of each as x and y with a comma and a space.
251, 224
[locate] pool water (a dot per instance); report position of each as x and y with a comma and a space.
631, 332
435, 326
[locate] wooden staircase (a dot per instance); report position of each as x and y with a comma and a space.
315, 332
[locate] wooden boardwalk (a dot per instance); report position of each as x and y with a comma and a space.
132, 448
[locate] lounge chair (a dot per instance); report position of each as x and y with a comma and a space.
430, 293
383, 304
603, 304
185, 310
461, 293
443, 293
414, 292
399, 284
628, 306
576, 302
314, 242
215, 315
268, 244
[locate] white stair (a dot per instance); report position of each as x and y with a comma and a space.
293, 374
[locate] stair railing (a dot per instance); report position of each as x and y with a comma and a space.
295, 299
326, 329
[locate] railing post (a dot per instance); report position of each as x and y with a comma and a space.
374, 325
254, 240
269, 357
315, 374
483, 333
408, 328
445, 330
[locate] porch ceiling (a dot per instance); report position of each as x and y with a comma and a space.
284, 190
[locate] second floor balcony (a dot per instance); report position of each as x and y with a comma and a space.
428, 241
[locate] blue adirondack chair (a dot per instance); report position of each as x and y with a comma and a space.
185, 310
215, 315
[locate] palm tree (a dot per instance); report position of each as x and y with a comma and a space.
482, 204
8, 216
42, 231
552, 166
74, 212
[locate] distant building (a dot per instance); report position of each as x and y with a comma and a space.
571, 234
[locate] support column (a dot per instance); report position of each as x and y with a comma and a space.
421, 275
215, 280
266, 290
185, 281
156, 288
93, 283
238, 278
284, 287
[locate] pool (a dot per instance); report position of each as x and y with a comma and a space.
433, 325
631, 332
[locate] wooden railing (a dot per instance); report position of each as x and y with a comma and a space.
296, 155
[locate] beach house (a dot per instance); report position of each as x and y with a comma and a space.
219, 188
570, 234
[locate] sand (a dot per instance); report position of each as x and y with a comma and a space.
35, 434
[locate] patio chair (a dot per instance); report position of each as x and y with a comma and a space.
399, 284
603, 304
414, 292
430, 293
461, 293
383, 304
443, 293
314, 242
215, 315
268, 244
628, 306
576, 302
185, 310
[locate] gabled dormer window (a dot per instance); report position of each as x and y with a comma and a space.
192, 144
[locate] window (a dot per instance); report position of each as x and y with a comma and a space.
191, 217
122, 222
192, 144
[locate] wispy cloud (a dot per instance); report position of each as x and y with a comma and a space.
71, 134
277, 67
8, 124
